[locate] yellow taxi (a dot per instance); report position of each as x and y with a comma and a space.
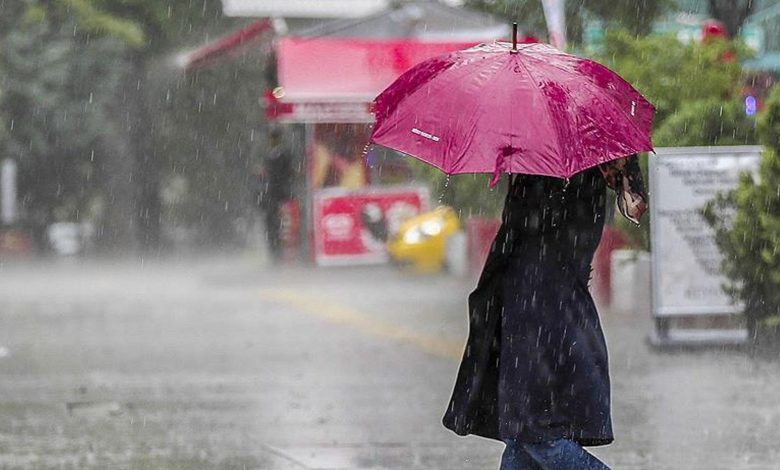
421, 241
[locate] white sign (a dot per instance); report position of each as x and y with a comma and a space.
8, 207
347, 112
687, 279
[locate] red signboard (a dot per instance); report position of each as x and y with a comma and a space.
348, 70
350, 227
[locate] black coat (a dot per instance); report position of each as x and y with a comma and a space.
535, 365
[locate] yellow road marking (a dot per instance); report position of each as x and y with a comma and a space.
344, 315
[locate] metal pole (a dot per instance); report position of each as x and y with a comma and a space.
307, 201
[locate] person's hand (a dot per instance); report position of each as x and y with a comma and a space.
625, 177
632, 205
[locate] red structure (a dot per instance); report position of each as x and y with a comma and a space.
480, 232
290, 235
228, 44
713, 29
327, 77
611, 239
334, 79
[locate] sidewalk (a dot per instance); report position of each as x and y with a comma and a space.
708, 410
225, 364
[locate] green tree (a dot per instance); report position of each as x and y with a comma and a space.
146, 143
151, 29
213, 135
53, 110
695, 88
747, 228
709, 121
670, 73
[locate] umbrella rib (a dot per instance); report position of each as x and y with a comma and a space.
547, 107
487, 86
414, 97
463, 151
617, 105
611, 99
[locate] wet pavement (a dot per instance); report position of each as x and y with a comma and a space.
226, 364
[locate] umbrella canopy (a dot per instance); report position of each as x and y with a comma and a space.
496, 108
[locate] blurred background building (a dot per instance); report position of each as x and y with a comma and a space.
150, 129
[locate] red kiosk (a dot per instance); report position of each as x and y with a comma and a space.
327, 84
327, 77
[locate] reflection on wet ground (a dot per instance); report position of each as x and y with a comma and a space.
228, 365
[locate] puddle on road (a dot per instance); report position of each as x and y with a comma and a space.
95, 409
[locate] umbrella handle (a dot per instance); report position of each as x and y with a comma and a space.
514, 38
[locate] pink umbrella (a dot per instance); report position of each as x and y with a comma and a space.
502, 108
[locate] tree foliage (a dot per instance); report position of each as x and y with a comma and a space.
108, 129
88, 16
149, 25
695, 87
213, 136
53, 113
707, 121
670, 73
747, 227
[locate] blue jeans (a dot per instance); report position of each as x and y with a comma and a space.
560, 454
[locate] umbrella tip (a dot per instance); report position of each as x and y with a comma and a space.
514, 37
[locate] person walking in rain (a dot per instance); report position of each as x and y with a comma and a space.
275, 189
535, 371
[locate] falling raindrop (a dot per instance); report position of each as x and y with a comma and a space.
444, 189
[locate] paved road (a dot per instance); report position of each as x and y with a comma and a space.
222, 364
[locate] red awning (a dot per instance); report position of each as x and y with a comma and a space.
326, 78
330, 79
348, 69
227, 44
